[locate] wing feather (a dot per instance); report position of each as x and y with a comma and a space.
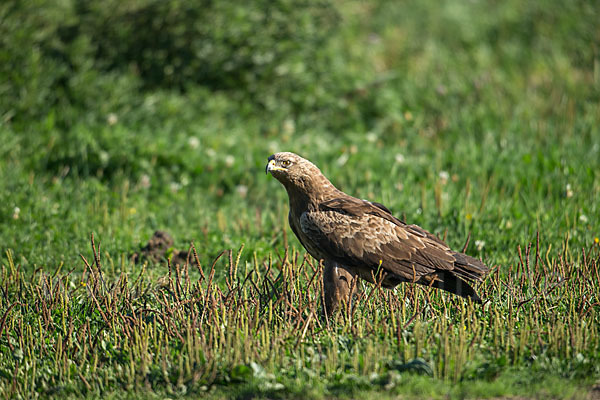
359, 233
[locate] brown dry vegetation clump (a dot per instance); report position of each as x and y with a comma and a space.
158, 248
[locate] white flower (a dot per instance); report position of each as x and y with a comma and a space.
583, 218
16, 212
185, 180
242, 190
479, 244
399, 158
371, 137
193, 142
144, 181
341, 161
444, 175
229, 160
568, 191
211, 153
112, 119
104, 157
174, 186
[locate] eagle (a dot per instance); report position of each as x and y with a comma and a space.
360, 238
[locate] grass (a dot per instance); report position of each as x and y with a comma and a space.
479, 120
185, 333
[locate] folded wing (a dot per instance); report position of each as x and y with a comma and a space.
366, 235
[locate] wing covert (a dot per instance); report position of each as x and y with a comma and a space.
369, 240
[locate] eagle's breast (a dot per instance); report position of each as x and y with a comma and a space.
310, 236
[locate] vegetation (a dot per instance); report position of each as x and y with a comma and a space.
475, 120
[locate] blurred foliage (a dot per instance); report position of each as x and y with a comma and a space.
337, 64
67, 52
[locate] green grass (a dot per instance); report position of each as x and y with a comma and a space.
478, 119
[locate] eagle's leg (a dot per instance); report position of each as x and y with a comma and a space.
338, 286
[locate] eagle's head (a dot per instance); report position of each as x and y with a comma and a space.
291, 169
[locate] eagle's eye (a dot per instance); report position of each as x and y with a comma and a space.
286, 163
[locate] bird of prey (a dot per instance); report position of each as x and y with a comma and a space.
361, 238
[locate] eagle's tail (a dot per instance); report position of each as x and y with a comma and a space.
469, 268
449, 282
466, 269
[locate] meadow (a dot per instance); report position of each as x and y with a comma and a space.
478, 121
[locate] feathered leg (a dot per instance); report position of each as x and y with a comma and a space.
337, 286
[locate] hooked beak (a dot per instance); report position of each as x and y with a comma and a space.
271, 166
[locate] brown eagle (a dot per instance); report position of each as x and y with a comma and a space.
357, 237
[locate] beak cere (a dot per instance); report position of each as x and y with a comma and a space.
270, 166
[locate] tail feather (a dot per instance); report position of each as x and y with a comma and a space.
469, 268
466, 269
449, 282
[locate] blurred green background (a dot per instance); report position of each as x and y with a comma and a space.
123, 117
